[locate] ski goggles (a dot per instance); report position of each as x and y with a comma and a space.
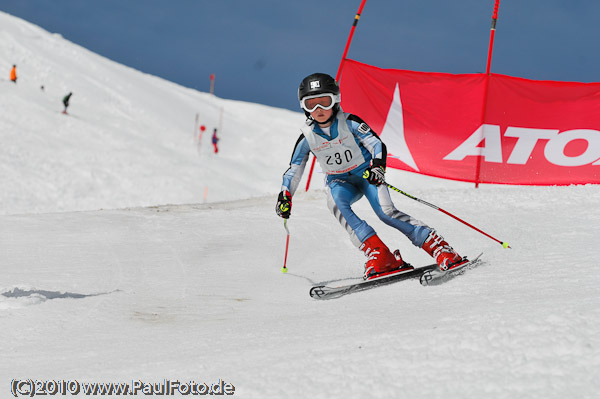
325, 101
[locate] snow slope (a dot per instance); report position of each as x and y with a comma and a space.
130, 139
103, 281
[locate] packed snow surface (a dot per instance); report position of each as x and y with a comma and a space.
131, 253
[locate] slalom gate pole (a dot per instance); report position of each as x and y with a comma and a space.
356, 18
487, 80
287, 245
492, 34
339, 72
504, 244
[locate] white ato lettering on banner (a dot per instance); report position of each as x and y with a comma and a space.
527, 139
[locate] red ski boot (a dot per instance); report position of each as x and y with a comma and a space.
380, 260
441, 251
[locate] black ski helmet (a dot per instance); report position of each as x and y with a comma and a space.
317, 83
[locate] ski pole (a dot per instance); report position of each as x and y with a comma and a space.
504, 244
287, 245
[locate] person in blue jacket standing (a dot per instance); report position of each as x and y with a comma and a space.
346, 148
215, 140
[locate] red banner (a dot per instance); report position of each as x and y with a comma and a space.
526, 132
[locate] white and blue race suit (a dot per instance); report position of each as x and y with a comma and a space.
344, 151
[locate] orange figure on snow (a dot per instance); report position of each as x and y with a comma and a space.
13, 74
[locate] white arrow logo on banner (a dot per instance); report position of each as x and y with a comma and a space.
393, 132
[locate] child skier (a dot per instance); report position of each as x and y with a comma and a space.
346, 148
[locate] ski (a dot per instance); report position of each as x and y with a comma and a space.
436, 276
325, 292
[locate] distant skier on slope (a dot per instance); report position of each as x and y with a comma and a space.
346, 147
215, 140
66, 101
13, 74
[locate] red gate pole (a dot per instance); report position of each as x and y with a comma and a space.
339, 72
492, 34
487, 81
356, 18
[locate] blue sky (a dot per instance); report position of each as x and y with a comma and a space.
260, 50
